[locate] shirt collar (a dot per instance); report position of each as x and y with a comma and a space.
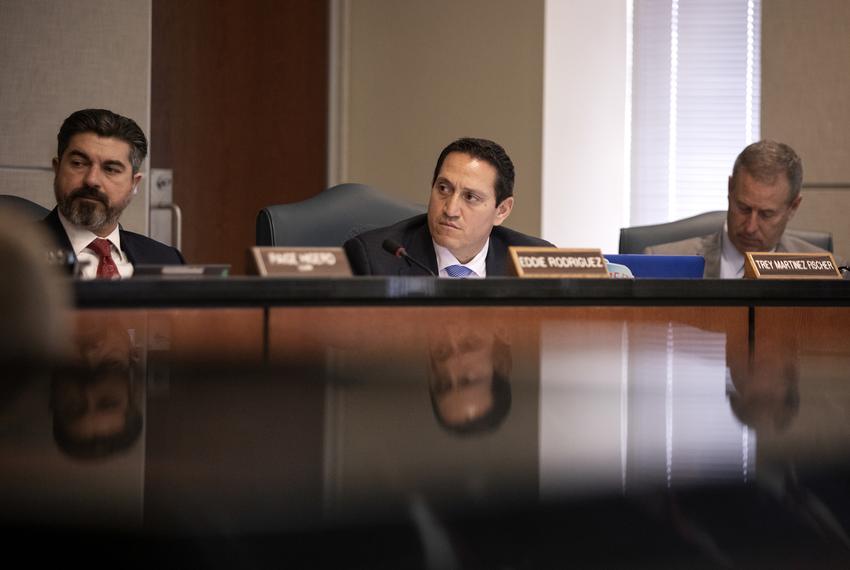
80, 238
731, 260
478, 263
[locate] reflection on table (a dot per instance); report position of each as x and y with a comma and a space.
193, 421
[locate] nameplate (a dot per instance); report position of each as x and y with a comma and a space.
300, 262
791, 266
556, 262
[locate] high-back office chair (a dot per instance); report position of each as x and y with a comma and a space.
638, 238
22, 209
331, 218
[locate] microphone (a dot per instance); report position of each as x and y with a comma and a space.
398, 250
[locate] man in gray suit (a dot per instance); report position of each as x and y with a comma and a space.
764, 194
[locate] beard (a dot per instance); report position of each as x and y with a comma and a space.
89, 208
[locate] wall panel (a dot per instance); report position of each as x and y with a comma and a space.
56, 58
805, 90
421, 74
239, 107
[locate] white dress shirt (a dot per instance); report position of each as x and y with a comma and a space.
478, 264
88, 261
731, 260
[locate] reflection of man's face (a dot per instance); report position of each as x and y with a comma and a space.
462, 363
766, 395
95, 406
92, 398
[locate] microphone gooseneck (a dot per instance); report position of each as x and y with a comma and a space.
395, 248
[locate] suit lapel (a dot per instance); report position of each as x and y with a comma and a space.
496, 257
126, 246
711, 249
419, 246
53, 224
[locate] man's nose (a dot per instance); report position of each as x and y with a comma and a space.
93, 176
451, 207
752, 222
452, 378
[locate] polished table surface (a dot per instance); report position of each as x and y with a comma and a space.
391, 426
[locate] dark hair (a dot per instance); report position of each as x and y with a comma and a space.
766, 159
489, 152
488, 422
99, 447
105, 123
102, 446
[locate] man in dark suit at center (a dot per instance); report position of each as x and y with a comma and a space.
96, 175
462, 233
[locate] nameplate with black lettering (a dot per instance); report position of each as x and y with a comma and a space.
557, 262
300, 262
791, 266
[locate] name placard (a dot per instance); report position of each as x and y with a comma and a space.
791, 266
299, 262
557, 262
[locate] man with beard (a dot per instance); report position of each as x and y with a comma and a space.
96, 175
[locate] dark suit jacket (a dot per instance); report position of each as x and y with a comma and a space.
140, 250
368, 257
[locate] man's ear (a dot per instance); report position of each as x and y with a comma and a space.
795, 203
503, 210
137, 179
55, 165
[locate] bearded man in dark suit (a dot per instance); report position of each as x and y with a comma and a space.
462, 233
96, 175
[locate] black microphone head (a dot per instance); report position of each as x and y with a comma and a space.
393, 247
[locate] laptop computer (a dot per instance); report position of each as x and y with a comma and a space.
661, 266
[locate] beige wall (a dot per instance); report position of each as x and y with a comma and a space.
60, 56
806, 103
417, 75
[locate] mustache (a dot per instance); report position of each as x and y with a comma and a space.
89, 192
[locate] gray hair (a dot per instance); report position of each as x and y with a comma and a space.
767, 159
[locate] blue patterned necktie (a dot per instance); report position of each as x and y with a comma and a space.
459, 271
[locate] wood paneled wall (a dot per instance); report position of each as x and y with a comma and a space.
239, 112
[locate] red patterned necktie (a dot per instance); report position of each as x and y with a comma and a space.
106, 268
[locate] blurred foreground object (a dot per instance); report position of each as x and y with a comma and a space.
34, 297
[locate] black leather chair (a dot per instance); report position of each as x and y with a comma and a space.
22, 209
638, 238
330, 218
